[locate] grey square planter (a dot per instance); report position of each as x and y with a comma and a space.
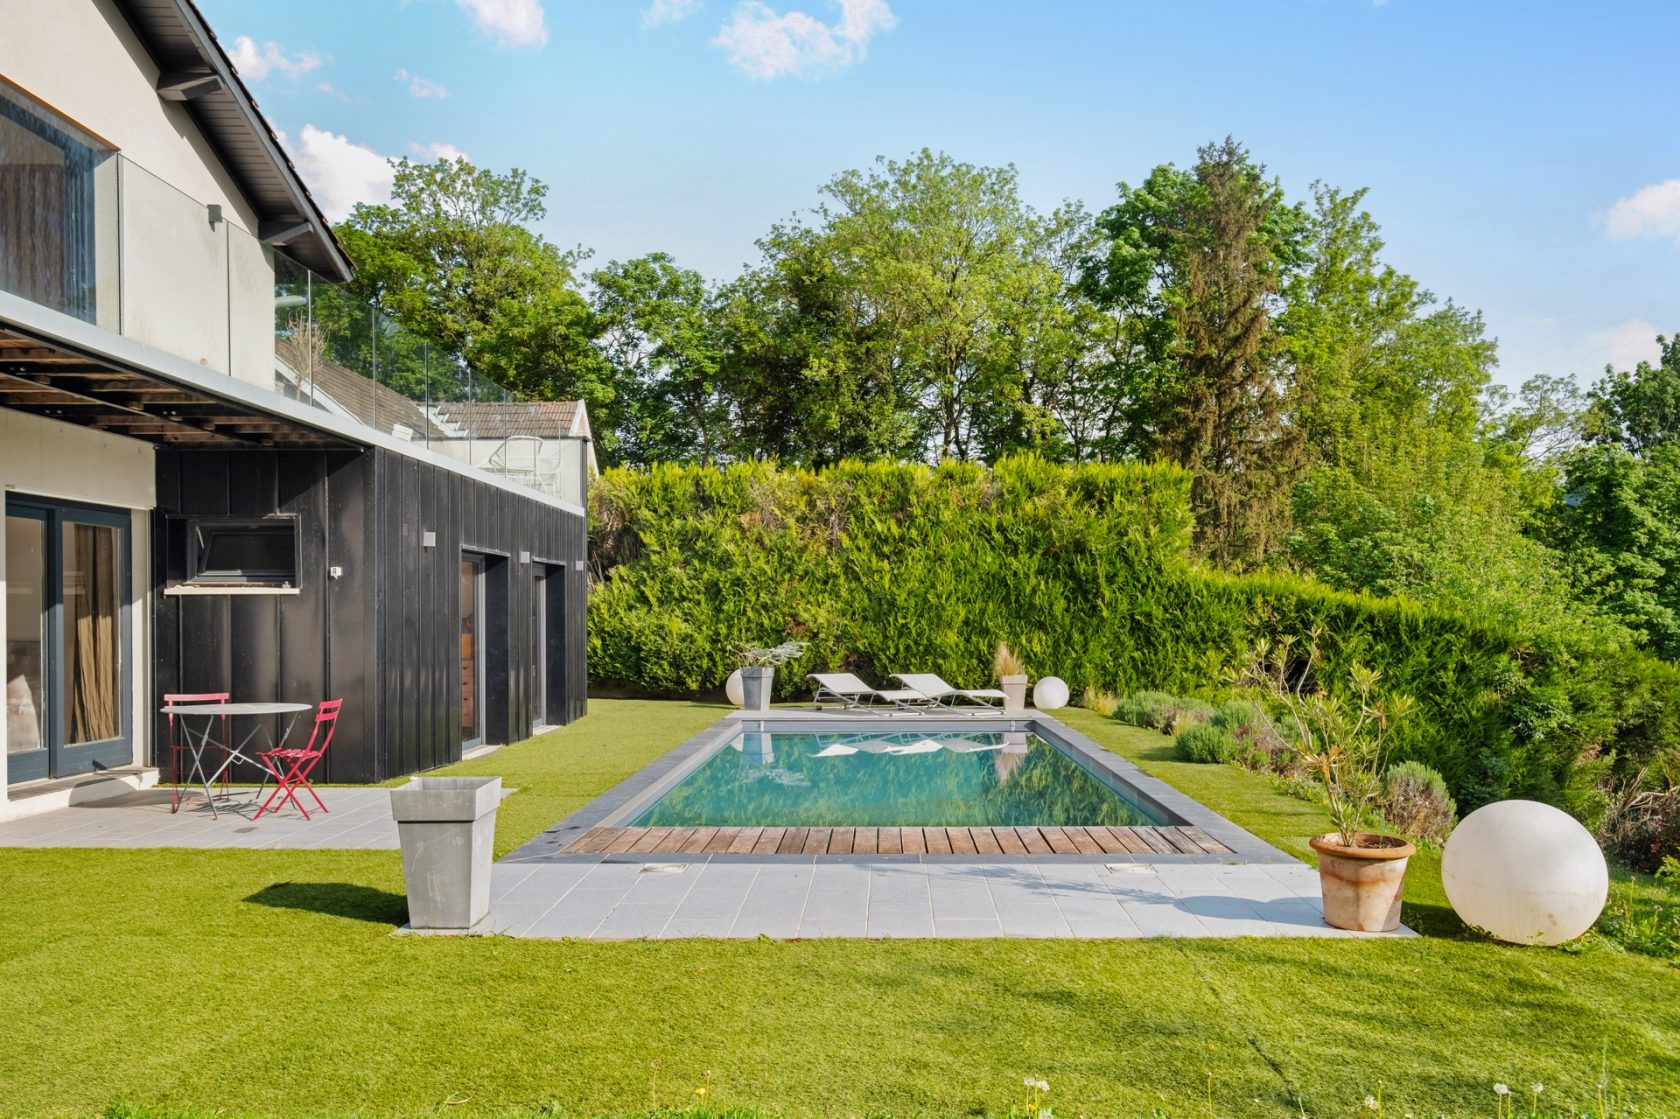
756, 685
447, 828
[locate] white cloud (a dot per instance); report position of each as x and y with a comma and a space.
668, 11
340, 172
423, 87
256, 63
435, 151
514, 23
1627, 344
334, 92
764, 44
1653, 211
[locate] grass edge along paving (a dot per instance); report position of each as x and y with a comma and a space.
267, 983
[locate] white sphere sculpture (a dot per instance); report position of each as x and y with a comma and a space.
732, 689
1050, 693
1526, 872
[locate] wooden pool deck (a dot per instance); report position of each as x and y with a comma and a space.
899, 841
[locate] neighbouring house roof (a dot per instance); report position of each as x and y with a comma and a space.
379, 406
540, 419
196, 71
545, 419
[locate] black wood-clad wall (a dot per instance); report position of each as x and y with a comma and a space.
385, 635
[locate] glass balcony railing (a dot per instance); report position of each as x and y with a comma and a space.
98, 237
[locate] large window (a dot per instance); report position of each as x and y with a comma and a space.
67, 591
48, 203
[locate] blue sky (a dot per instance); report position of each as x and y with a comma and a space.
1523, 159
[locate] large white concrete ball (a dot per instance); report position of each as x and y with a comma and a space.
1526, 872
732, 689
1050, 693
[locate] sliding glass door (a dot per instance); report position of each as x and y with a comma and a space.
67, 603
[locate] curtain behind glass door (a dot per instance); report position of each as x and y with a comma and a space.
92, 634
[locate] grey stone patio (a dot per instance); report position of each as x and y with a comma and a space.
357, 819
906, 898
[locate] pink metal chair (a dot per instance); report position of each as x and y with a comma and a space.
290, 767
176, 748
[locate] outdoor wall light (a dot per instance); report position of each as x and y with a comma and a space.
215, 209
428, 539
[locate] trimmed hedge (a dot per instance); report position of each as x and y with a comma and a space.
1085, 571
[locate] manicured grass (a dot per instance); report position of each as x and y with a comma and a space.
131, 976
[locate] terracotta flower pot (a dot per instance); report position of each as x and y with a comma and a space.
1362, 885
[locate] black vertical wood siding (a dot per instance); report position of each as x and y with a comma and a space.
384, 637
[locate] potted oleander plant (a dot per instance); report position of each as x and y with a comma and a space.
758, 670
1011, 672
1342, 741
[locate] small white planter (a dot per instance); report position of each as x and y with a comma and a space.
756, 687
1014, 692
447, 828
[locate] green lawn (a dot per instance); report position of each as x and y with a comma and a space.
268, 983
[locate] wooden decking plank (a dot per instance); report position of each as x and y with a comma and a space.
1008, 842
744, 841
1034, 841
696, 844
889, 841
721, 839
1154, 842
1106, 841
816, 841
793, 840
673, 842
1208, 844
914, 839
594, 840
863, 840
1082, 841
1059, 841
768, 840
1180, 841
840, 841
962, 843
1129, 843
985, 841
938, 842
650, 839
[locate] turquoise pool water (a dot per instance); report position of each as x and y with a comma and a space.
913, 779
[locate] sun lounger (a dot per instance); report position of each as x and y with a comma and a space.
850, 692
937, 691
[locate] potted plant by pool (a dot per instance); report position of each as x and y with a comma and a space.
1011, 672
1362, 874
758, 670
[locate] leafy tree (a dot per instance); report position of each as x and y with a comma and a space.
660, 331
453, 258
1618, 516
1619, 524
907, 302
1639, 409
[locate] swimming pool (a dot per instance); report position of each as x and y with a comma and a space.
894, 778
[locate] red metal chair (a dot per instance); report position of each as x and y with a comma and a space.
176, 748
290, 767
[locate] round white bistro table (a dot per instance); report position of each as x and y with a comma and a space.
201, 742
